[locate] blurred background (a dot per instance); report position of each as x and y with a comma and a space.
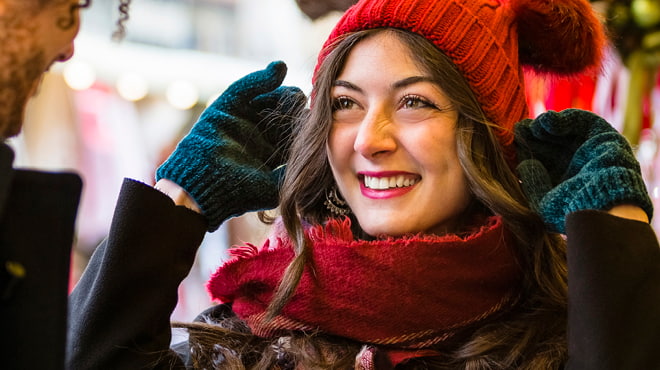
117, 109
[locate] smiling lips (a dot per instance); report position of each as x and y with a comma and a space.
387, 185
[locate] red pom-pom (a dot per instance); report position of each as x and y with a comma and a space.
562, 37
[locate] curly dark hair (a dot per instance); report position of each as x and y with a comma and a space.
120, 32
123, 8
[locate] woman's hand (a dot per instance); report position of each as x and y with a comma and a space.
230, 162
179, 196
574, 160
630, 212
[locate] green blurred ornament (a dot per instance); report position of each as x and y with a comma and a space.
643, 74
619, 15
646, 13
651, 40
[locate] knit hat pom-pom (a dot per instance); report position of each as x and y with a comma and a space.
563, 37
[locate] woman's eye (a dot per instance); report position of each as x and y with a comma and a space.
414, 101
342, 103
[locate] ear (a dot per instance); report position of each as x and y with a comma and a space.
67, 13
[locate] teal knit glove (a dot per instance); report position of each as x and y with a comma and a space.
229, 160
574, 160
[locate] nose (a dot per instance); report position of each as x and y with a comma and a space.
375, 135
67, 36
66, 53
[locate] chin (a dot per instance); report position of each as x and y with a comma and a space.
386, 230
12, 120
12, 128
397, 228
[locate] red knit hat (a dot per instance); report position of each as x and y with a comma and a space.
490, 41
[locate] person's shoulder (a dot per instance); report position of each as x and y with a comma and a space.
6, 161
6, 157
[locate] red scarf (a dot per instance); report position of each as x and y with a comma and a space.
410, 292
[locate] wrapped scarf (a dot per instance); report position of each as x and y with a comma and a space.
406, 293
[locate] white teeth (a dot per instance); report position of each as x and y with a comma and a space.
384, 183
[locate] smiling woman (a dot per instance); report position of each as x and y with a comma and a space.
413, 117
421, 212
392, 123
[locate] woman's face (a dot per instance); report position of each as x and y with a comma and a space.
392, 145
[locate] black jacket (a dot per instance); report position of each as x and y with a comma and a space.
37, 220
120, 310
613, 293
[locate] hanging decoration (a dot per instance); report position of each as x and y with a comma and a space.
634, 26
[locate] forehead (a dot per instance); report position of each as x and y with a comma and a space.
19, 9
15, 19
13, 6
382, 53
31, 7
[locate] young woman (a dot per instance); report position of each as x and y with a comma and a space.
414, 233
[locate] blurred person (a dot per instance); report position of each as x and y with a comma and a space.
37, 209
425, 222
316, 9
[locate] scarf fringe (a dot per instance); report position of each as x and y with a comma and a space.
339, 230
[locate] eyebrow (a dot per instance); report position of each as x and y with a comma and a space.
411, 81
346, 84
396, 86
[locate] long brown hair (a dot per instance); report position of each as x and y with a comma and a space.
532, 336
492, 182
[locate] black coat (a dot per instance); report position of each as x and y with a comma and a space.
37, 219
613, 293
120, 309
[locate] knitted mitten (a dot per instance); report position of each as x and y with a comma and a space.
574, 160
229, 160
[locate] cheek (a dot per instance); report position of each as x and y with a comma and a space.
433, 149
340, 146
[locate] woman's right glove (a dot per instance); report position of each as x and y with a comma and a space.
574, 160
231, 160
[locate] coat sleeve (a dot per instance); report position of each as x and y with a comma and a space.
119, 312
613, 293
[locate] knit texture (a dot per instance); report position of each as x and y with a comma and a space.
490, 41
403, 293
575, 160
229, 160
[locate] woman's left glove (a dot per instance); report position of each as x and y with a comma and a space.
574, 160
231, 161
